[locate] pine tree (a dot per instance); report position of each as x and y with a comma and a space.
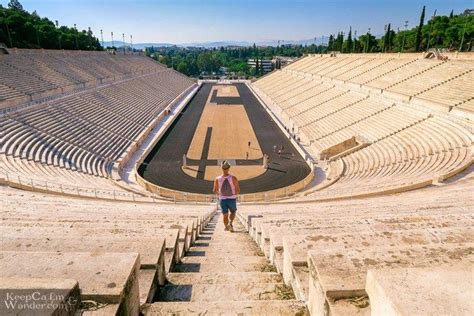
390, 36
349, 40
331, 43
418, 31
387, 39
339, 41
451, 14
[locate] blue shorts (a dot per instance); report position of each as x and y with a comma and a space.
228, 204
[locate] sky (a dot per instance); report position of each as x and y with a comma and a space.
185, 21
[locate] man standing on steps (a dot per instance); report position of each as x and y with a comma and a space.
226, 186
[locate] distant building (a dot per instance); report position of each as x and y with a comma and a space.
267, 64
282, 61
224, 70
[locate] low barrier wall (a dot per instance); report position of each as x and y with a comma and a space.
180, 196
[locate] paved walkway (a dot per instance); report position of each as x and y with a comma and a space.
225, 273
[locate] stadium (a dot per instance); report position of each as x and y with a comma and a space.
355, 172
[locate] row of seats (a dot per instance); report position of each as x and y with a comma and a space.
32, 75
75, 140
453, 93
325, 250
408, 76
118, 254
425, 151
405, 145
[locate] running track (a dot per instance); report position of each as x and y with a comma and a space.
163, 165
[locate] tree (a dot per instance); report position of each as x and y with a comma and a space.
368, 43
19, 28
339, 41
336, 42
183, 67
239, 67
348, 44
451, 14
331, 43
387, 39
15, 5
164, 59
418, 31
445, 32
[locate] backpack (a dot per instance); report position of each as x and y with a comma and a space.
226, 189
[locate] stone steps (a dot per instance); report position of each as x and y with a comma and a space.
118, 261
150, 250
222, 251
62, 293
147, 283
44, 239
215, 292
223, 277
406, 291
341, 274
107, 278
224, 273
392, 161
325, 250
268, 307
209, 267
105, 105
224, 260
223, 245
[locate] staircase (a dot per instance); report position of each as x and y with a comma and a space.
224, 273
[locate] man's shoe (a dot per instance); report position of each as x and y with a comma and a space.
227, 227
231, 228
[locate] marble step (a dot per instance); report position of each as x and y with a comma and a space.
241, 308
218, 267
216, 292
223, 250
225, 260
223, 277
440, 290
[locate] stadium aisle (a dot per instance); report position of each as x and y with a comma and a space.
228, 272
